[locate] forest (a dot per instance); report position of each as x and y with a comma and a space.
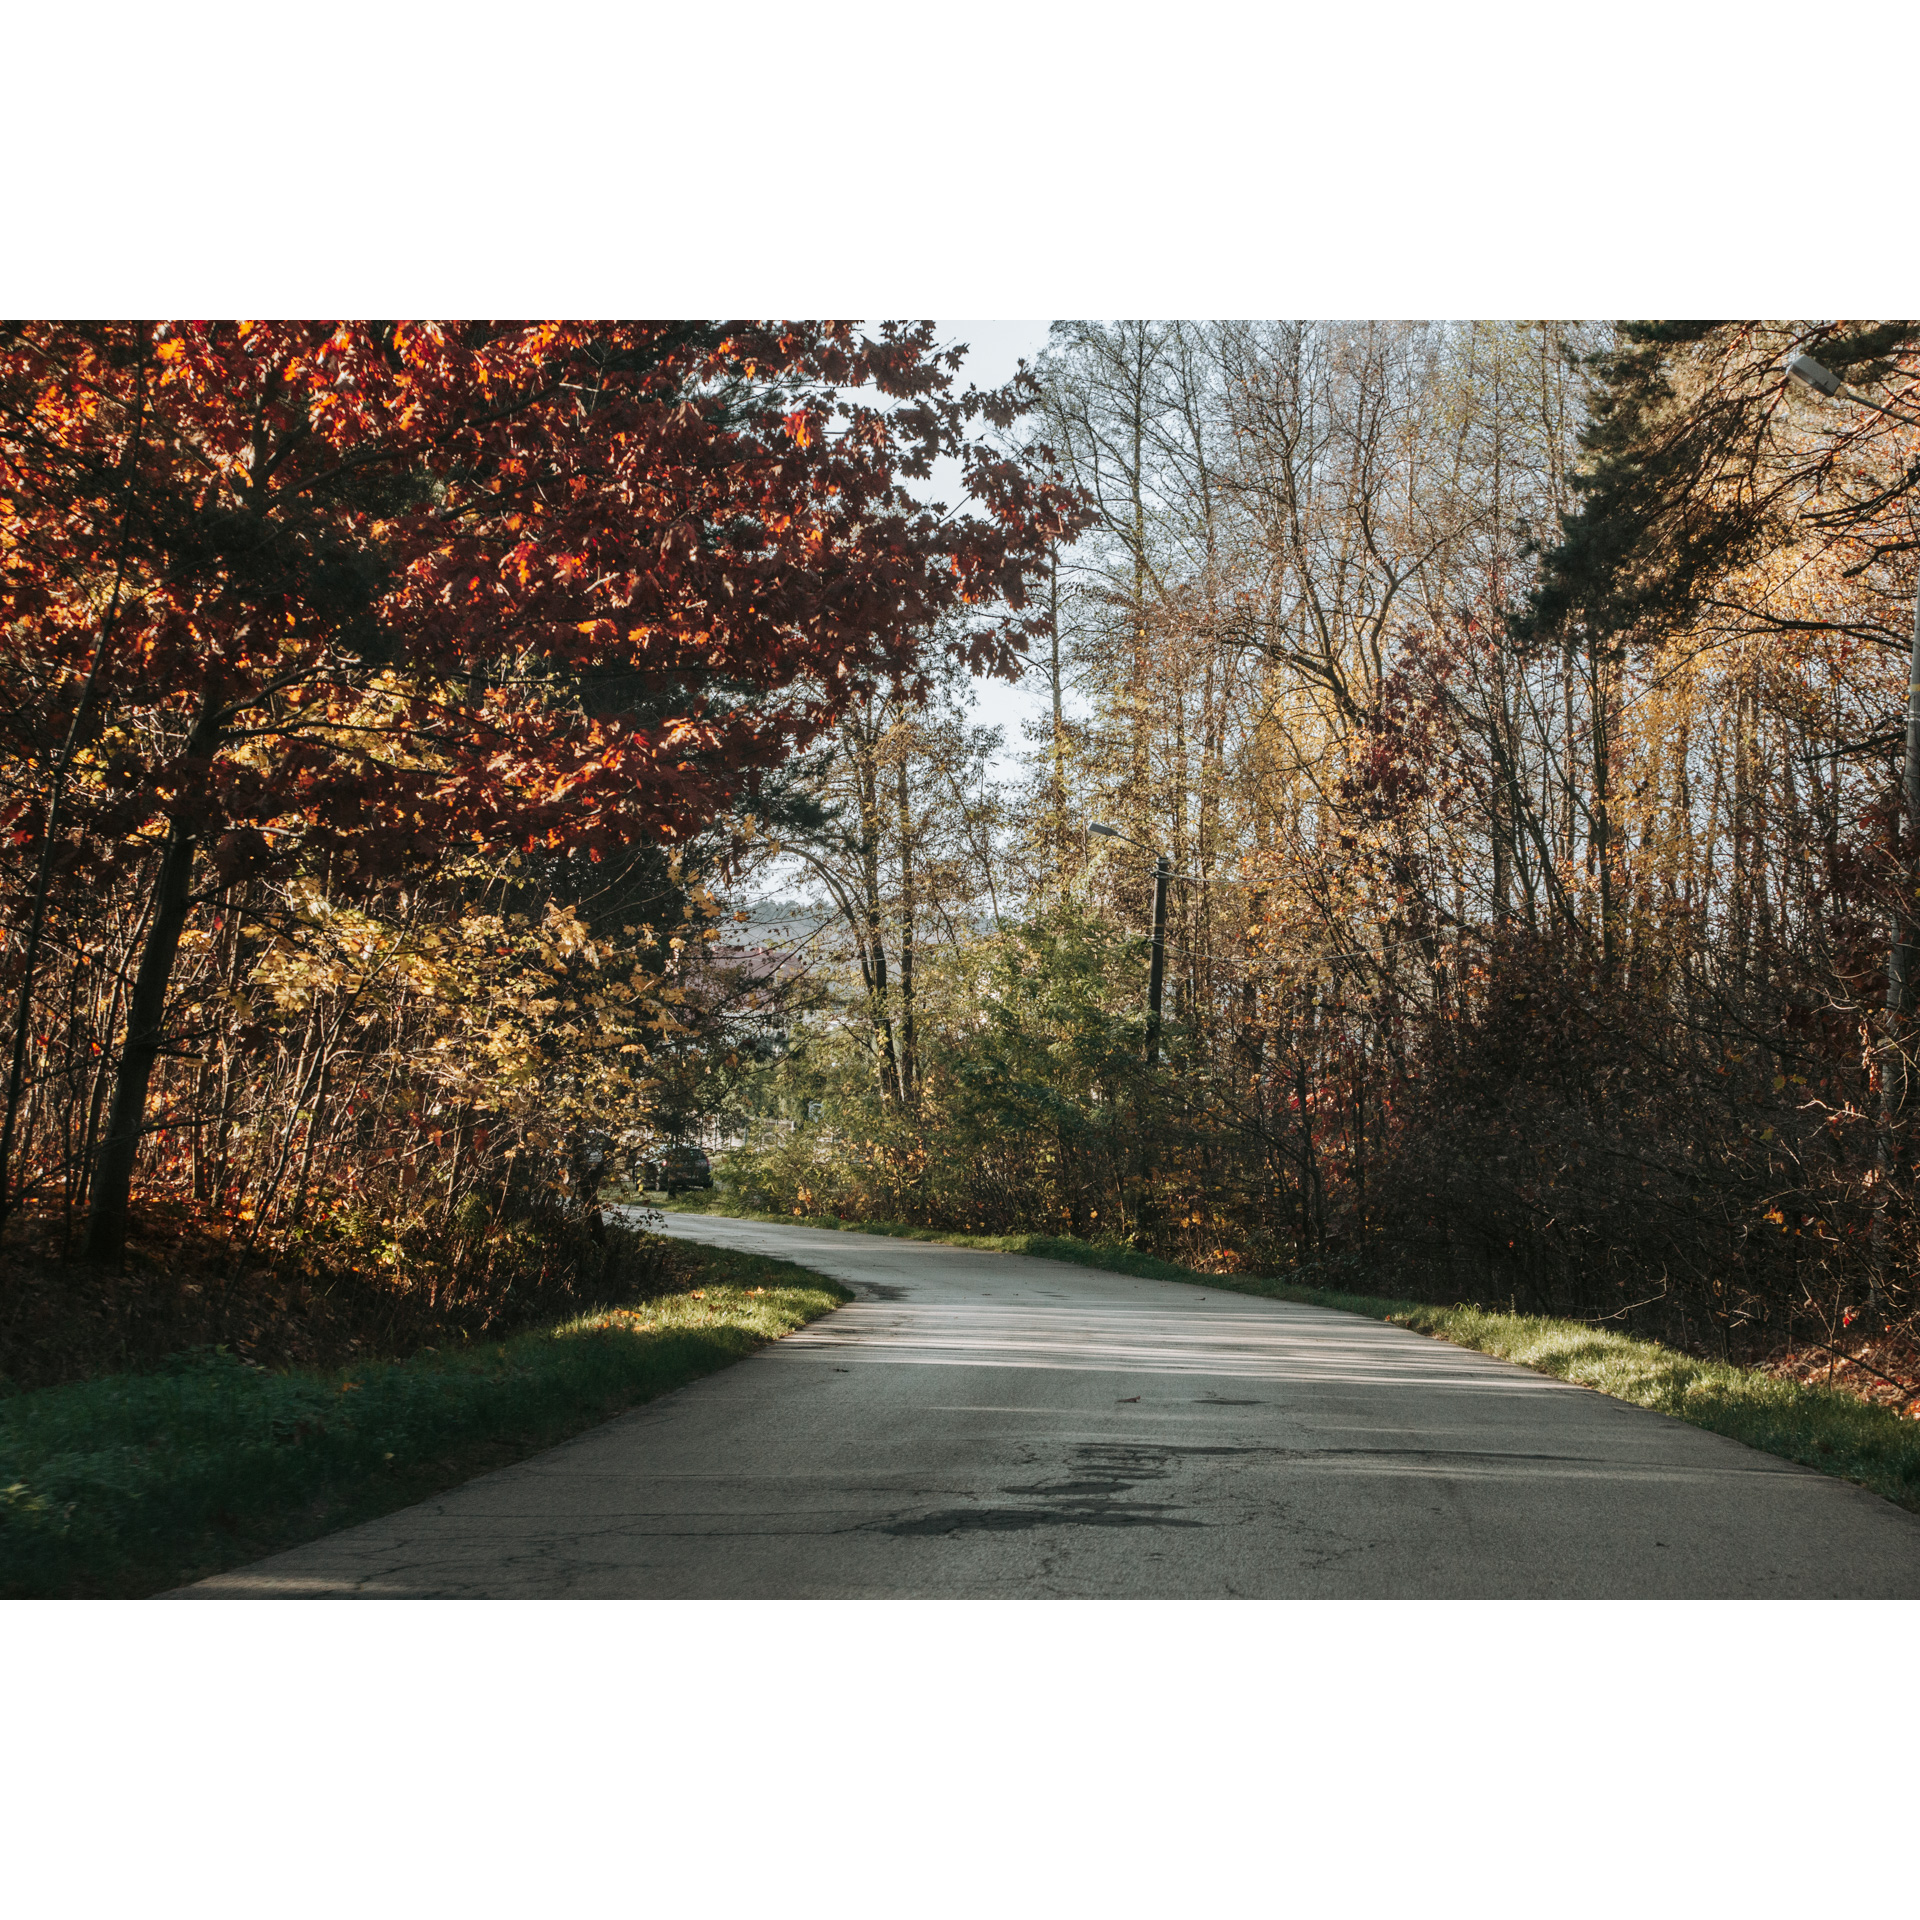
403, 730
1520, 707
379, 703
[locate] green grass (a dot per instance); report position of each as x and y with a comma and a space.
1819, 1427
136, 1483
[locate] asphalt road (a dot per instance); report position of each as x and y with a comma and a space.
980, 1425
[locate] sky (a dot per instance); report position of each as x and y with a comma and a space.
997, 348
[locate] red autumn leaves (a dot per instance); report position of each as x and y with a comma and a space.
487, 513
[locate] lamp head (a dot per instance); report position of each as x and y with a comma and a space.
1806, 369
1109, 833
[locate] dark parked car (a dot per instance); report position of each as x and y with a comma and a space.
679, 1168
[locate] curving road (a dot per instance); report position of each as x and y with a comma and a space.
982, 1425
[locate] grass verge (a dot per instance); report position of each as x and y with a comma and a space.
1820, 1427
136, 1483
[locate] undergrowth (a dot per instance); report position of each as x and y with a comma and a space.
134, 1483
352, 1292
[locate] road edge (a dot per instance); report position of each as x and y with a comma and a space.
1824, 1428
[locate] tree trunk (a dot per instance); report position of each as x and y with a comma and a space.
56, 793
1601, 837
908, 1066
1895, 1151
1057, 775
885, 1054
146, 1011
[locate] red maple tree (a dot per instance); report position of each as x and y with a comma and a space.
287, 592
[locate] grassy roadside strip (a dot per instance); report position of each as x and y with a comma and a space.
1818, 1427
141, 1482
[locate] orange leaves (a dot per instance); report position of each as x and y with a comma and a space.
620, 1320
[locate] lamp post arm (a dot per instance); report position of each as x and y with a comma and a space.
1861, 400
1114, 833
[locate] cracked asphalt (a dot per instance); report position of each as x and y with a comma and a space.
980, 1425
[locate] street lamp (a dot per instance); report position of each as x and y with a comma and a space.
1823, 380
1808, 370
1156, 971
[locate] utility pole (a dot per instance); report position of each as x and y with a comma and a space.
1156, 972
